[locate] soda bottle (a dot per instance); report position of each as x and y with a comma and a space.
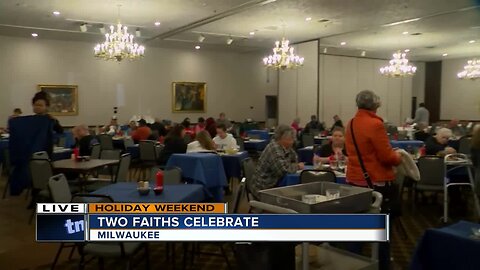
76, 152
159, 183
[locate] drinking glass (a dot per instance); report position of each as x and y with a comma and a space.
332, 194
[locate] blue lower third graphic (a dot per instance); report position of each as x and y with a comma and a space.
53, 228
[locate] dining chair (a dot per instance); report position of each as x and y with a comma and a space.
171, 175
106, 141
40, 172
240, 143
121, 175
149, 154
96, 150
465, 145
248, 169
124, 251
40, 155
308, 139
309, 176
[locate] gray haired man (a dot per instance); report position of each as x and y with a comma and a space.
278, 159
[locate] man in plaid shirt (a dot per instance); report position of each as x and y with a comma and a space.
278, 159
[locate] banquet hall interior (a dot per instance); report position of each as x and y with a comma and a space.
202, 92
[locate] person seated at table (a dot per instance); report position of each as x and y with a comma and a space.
16, 113
159, 128
142, 133
278, 159
457, 129
174, 144
83, 140
224, 140
188, 130
40, 104
112, 128
438, 144
336, 147
211, 127
420, 134
296, 125
203, 143
222, 120
314, 124
337, 123
200, 125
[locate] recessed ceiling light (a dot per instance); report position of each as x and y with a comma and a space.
252, 33
343, 43
229, 41
471, 41
406, 50
405, 33
157, 23
308, 19
363, 53
34, 35
197, 47
56, 13
445, 54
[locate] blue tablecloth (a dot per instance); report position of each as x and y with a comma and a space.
294, 179
259, 134
255, 145
448, 248
202, 168
406, 144
233, 164
305, 155
127, 193
56, 155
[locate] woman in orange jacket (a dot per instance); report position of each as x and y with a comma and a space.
373, 144
366, 137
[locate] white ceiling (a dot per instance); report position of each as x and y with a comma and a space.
446, 25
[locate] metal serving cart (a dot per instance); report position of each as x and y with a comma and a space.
352, 200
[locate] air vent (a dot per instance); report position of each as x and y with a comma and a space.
416, 34
430, 47
323, 20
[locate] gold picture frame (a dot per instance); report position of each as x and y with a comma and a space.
189, 97
63, 99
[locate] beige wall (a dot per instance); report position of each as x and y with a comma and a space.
341, 78
235, 81
298, 88
459, 98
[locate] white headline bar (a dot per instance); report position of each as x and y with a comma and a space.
308, 235
61, 208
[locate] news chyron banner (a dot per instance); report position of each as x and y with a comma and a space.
198, 222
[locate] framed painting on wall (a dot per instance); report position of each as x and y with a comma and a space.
63, 99
189, 97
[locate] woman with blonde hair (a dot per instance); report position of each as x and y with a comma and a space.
203, 143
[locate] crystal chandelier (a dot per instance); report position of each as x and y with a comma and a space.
119, 45
398, 66
283, 56
471, 70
